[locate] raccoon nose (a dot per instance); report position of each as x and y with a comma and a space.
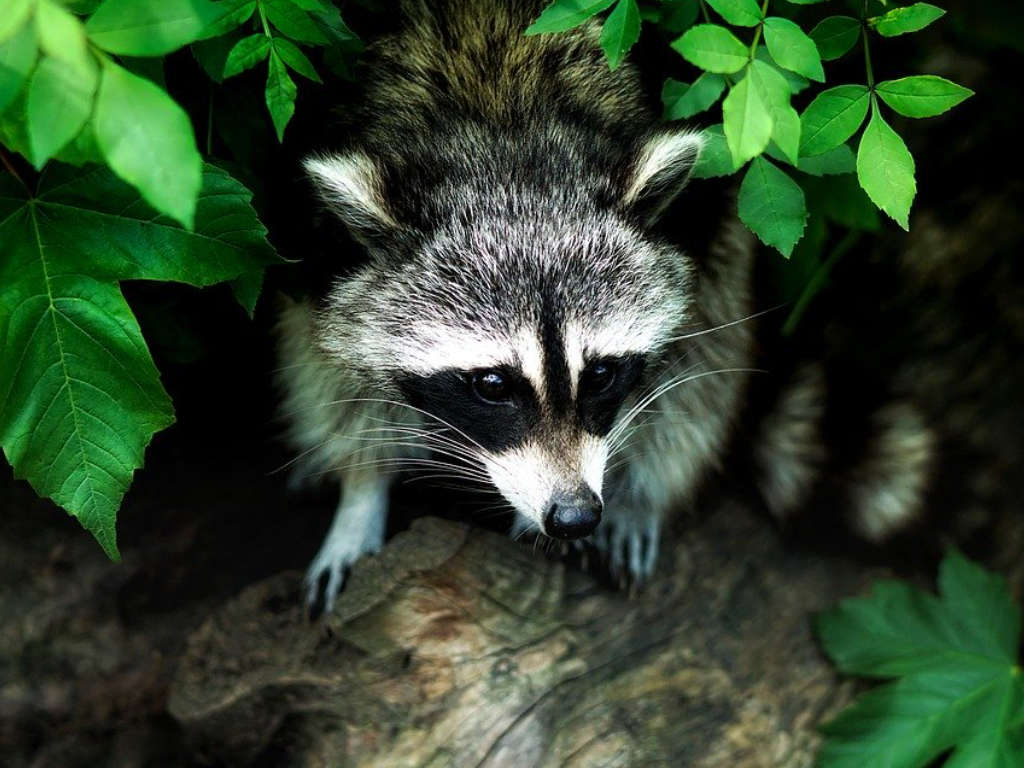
573, 515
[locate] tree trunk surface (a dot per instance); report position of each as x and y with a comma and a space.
458, 647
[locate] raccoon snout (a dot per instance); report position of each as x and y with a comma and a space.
573, 515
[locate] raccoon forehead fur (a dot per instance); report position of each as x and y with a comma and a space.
519, 262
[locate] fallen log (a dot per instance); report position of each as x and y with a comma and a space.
458, 647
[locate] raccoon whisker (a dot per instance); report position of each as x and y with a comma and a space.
431, 437
666, 387
402, 463
452, 450
400, 404
731, 323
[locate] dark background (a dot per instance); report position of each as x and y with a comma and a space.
87, 648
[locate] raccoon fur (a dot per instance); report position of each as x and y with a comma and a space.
535, 315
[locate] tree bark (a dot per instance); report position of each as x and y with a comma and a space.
458, 647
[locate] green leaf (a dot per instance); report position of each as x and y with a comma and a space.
280, 95
149, 27
228, 15
841, 199
742, 13
833, 117
682, 100
885, 168
959, 686
17, 57
747, 120
835, 36
715, 158
922, 95
561, 15
797, 83
336, 30
677, 16
60, 98
293, 22
212, 54
247, 288
79, 395
62, 36
792, 49
14, 15
774, 92
991, 623
295, 58
772, 205
620, 31
246, 53
81, 149
837, 160
147, 140
900, 21
712, 48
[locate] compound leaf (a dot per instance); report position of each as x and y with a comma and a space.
772, 205
17, 57
293, 22
747, 120
566, 14
833, 117
147, 140
955, 656
280, 94
14, 15
774, 93
620, 32
837, 160
293, 56
900, 21
80, 397
922, 95
835, 36
682, 100
712, 48
885, 168
245, 54
59, 103
742, 13
792, 49
150, 27
715, 158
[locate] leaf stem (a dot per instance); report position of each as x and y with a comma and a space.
818, 280
263, 20
867, 50
704, 12
757, 32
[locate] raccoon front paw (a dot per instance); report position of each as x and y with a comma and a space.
629, 547
329, 571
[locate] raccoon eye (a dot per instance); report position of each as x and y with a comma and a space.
491, 387
597, 377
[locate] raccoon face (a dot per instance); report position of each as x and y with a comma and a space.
521, 329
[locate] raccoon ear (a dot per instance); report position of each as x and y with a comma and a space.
352, 185
659, 172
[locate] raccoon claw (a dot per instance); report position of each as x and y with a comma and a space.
630, 549
322, 591
327, 576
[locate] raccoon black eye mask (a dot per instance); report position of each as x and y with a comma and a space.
526, 315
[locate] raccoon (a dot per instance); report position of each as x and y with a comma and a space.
534, 313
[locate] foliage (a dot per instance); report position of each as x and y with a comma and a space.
956, 683
761, 129
82, 84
